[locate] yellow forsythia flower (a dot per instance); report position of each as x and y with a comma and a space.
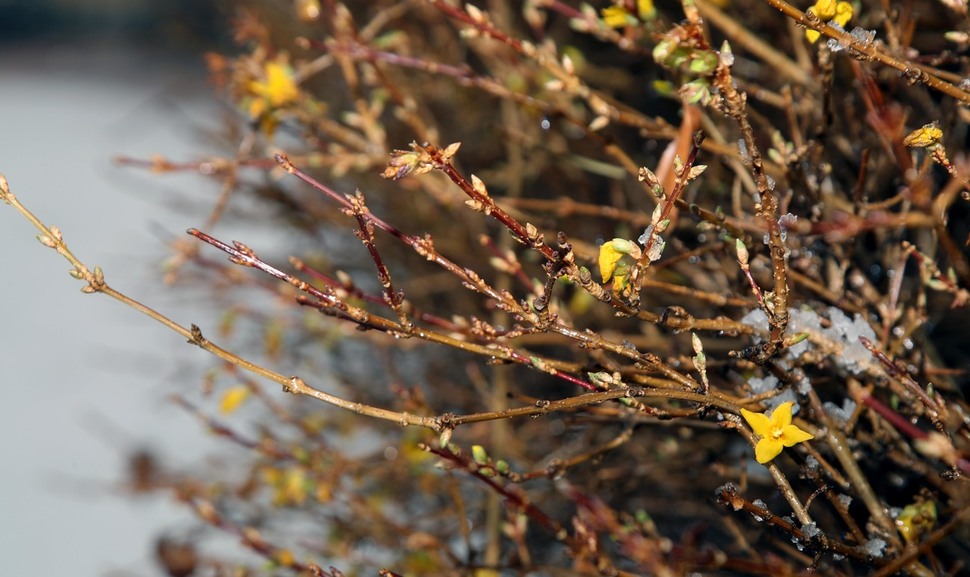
276, 90
915, 520
827, 10
610, 254
927, 135
776, 432
616, 17
289, 486
233, 398
284, 557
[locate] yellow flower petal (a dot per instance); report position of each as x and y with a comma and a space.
620, 283
792, 435
781, 416
767, 449
233, 398
916, 519
616, 17
610, 254
277, 86
646, 10
280, 88
824, 9
843, 13
759, 422
276, 89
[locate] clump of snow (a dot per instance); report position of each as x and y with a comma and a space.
874, 547
863, 36
803, 385
840, 415
802, 321
762, 505
769, 384
842, 336
787, 220
726, 488
833, 44
846, 500
787, 396
646, 235
756, 318
765, 385
855, 356
656, 248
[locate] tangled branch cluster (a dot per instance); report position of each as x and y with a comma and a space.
670, 290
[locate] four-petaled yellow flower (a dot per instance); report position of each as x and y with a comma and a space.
276, 90
827, 10
776, 432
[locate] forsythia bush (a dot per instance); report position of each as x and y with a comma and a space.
636, 288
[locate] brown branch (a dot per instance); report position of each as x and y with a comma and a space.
913, 73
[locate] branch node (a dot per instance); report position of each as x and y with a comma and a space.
197, 339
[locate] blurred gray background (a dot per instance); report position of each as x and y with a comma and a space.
85, 379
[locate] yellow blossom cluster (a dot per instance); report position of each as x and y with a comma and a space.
618, 16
